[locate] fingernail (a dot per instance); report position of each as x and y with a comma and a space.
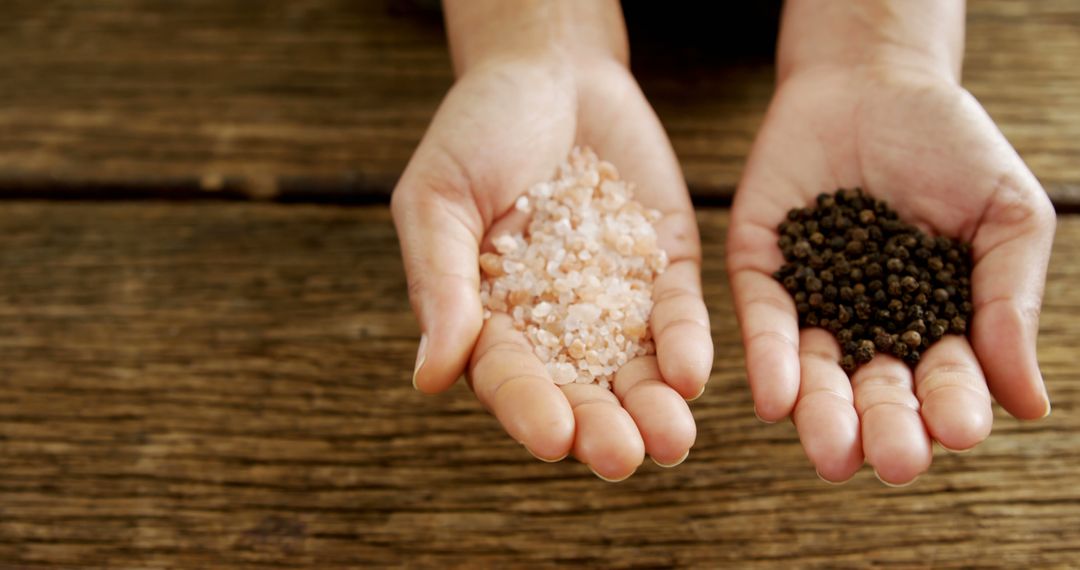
760, 419
951, 450
1048, 409
609, 480
543, 459
700, 392
819, 476
670, 465
421, 356
894, 485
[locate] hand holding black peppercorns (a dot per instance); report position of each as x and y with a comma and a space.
875, 282
914, 137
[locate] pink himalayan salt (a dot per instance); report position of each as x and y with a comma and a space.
579, 282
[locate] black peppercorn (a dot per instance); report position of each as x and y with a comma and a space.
936, 330
917, 325
843, 314
958, 325
911, 338
883, 341
864, 352
801, 249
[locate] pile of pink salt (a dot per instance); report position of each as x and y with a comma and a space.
579, 281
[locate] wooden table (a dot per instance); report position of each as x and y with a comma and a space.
224, 383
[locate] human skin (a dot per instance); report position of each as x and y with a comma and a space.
534, 79
868, 95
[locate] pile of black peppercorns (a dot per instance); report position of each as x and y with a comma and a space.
875, 282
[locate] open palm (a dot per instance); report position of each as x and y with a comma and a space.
926, 146
503, 127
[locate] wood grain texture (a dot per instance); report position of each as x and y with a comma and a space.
326, 99
214, 385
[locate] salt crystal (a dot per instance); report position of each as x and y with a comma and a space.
505, 244
634, 327
586, 312
563, 373
489, 264
522, 204
546, 338
518, 297
577, 349
541, 310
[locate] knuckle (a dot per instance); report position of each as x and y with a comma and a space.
777, 336
783, 304
1022, 204
500, 348
881, 380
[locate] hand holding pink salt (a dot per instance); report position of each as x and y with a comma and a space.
508, 122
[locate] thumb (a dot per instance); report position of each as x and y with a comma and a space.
439, 228
1012, 250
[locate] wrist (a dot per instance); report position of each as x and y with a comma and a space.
565, 34
875, 38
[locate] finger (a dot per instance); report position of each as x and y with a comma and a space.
1012, 248
680, 324
955, 400
661, 414
770, 332
512, 382
439, 234
824, 415
607, 440
894, 440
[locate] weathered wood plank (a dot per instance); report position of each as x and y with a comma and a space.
326, 99
226, 386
